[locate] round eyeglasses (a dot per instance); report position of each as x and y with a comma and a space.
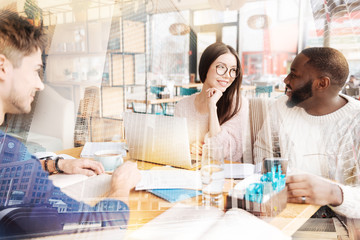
222, 70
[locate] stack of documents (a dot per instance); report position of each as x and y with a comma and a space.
239, 170
171, 184
163, 179
175, 185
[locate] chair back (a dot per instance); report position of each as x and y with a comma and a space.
188, 91
263, 89
156, 90
259, 108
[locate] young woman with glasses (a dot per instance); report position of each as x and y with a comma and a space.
218, 113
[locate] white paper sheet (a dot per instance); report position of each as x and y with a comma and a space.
239, 224
64, 180
239, 170
178, 223
82, 188
162, 179
205, 223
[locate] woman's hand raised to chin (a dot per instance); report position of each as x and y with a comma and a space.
213, 95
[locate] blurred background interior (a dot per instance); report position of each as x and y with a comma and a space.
105, 57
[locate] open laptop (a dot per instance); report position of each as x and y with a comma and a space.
158, 139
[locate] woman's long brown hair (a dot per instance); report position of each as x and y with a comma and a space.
225, 111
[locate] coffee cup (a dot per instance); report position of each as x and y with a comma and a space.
110, 159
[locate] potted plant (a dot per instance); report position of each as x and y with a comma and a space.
33, 12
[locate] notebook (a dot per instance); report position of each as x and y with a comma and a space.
175, 194
158, 139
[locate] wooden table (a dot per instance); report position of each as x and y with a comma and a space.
145, 206
189, 85
154, 102
248, 87
186, 85
248, 90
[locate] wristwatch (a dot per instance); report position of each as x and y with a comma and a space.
58, 170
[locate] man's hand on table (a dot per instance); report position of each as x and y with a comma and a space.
316, 190
124, 178
81, 166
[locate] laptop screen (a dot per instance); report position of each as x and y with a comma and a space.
158, 139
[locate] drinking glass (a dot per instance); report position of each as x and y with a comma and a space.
212, 175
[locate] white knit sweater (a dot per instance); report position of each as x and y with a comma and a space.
327, 146
232, 131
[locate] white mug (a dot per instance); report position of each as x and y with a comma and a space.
110, 159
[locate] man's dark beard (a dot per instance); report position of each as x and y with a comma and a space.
300, 95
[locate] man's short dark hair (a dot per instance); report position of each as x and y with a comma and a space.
328, 62
19, 38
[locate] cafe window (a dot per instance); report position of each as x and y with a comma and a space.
341, 32
229, 35
265, 53
170, 48
204, 17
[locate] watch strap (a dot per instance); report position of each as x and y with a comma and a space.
57, 164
